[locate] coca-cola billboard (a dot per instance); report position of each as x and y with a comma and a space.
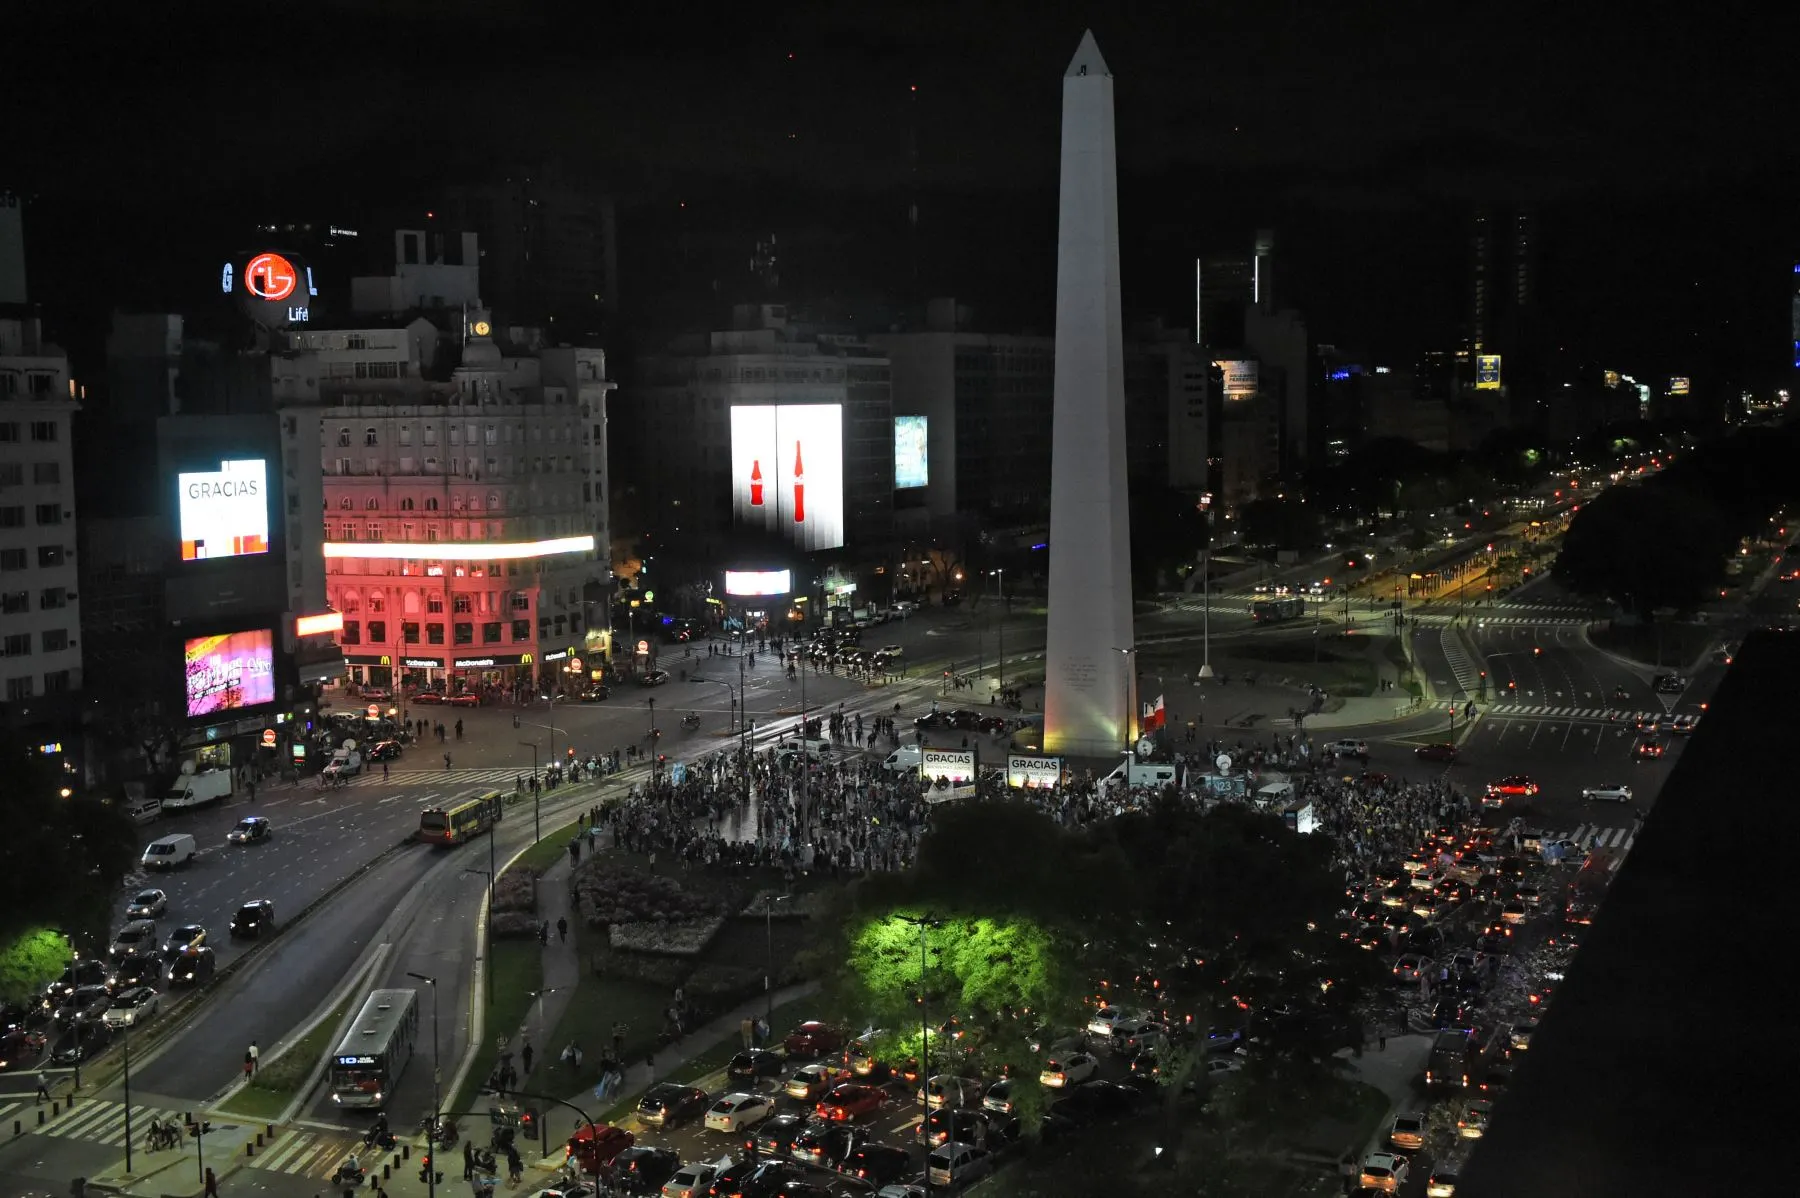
787, 471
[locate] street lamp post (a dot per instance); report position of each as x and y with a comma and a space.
1206, 670
487, 972
437, 1097
653, 755
537, 808
1000, 629
923, 922
127, 1095
769, 901
1125, 727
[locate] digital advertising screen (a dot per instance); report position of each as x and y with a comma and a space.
1487, 372
1241, 378
229, 671
224, 512
758, 582
912, 465
787, 471
958, 765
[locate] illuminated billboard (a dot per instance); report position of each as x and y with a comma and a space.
1611, 377
274, 289
912, 463
224, 512
787, 471
1025, 772
1242, 378
758, 582
958, 765
229, 671
1679, 385
1487, 372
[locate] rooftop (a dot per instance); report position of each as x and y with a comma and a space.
1641, 1079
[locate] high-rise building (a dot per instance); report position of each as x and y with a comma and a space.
465, 518
1504, 257
549, 252
40, 617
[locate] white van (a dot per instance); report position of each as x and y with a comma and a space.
144, 810
1275, 794
167, 852
905, 759
1152, 773
815, 750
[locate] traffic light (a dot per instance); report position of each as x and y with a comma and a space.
201, 1128
1537, 651
528, 1124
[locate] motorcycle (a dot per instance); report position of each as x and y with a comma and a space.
483, 1160
379, 1136
439, 1131
349, 1174
690, 720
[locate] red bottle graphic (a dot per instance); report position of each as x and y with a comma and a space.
799, 487
756, 483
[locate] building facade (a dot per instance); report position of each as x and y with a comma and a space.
40, 617
465, 520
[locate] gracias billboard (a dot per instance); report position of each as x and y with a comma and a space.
224, 512
787, 471
229, 671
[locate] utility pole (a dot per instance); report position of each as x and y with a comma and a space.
923, 922
1206, 670
432, 1139
537, 809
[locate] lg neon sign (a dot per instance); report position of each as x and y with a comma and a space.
270, 277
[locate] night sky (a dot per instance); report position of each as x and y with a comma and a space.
1651, 144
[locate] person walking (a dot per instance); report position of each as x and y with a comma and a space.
43, 1087
468, 1159
446, 761
544, 932
562, 928
212, 1185
525, 1057
255, 1055
384, 771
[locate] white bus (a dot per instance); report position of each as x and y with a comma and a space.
368, 1062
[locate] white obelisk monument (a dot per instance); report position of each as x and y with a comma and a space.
1090, 692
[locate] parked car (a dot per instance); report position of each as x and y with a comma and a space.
877, 1164
187, 935
813, 1039
734, 1112
1444, 752
385, 750
20, 1048
945, 1090
192, 966
958, 1164
137, 936
849, 1101
147, 904
641, 1169
132, 1007
78, 973
1407, 1132
80, 1042
654, 678
1067, 1070
753, 1063
139, 969
811, 1081
667, 1104
829, 1146
596, 694
775, 1136
1384, 1171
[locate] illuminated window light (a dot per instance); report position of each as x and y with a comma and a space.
441, 550
330, 621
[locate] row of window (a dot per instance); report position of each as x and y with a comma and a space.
14, 516
20, 559
14, 603
18, 644
25, 686
461, 633
458, 502
462, 602
459, 530
13, 431
12, 474
488, 435
36, 383
496, 467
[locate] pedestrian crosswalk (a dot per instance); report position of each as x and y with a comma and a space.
1468, 674
1481, 619
96, 1120
299, 1150
1594, 836
451, 778
1550, 609
1628, 719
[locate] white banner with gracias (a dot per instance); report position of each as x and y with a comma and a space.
958, 765
1027, 771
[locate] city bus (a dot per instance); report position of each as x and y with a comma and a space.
368, 1062
461, 820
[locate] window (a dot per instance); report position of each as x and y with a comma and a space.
56, 640
490, 633
521, 601
455, 435
406, 505
461, 603
18, 644
19, 688
14, 602
430, 435
51, 555
352, 634
12, 517
377, 601
374, 530
343, 438
51, 598
431, 503
434, 604
373, 505
12, 474
346, 503
9, 431
493, 502
378, 632
356, 341
431, 532
56, 681
45, 473
340, 465
406, 434
521, 631
12, 559
463, 634
370, 437
488, 434
410, 632
49, 513
431, 465
434, 634
43, 430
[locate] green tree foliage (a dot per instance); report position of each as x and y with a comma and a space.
1646, 547
29, 960
61, 861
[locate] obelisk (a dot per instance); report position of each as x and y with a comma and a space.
1090, 684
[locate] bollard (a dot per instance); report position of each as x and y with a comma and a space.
249, 1148
384, 1170
55, 1109
259, 1139
18, 1128
40, 1116
269, 1130
404, 1150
